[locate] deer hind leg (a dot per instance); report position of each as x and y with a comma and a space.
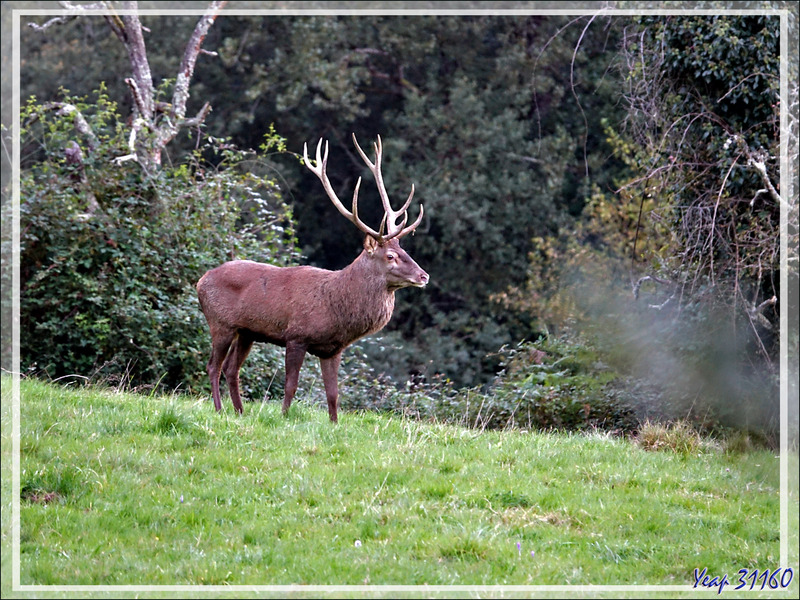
330, 377
295, 353
220, 344
240, 348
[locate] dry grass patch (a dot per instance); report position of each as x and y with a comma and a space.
679, 437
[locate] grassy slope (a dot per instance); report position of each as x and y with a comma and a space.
126, 489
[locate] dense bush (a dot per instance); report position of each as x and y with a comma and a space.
554, 384
110, 255
674, 272
551, 384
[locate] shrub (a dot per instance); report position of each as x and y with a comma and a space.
679, 437
553, 384
110, 254
549, 384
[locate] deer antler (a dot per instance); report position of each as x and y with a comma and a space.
319, 169
390, 217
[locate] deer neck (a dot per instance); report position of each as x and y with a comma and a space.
362, 293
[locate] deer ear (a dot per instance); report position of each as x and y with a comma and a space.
370, 244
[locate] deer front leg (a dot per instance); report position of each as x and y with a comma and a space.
330, 377
295, 353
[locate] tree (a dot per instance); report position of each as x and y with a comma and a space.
155, 123
112, 244
704, 107
675, 270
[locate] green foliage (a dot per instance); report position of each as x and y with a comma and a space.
674, 274
704, 120
543, 205
110, 257
733, 61
474, 111
552, 384
482, 113
705, 113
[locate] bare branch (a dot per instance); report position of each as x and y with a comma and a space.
530, 159
536, 65
137, 125
129, 30
663, 304
81, 125
137, 53
641, 280
712, 230
138, 99
761, 167
116, 25
758, 193
754, 313
51, 22
76, 10
577, 99
74, 157
198, 118
193, 48
83, 8
734, 88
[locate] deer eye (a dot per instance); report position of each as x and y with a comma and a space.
390, 256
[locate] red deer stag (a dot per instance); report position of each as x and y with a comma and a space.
304, 308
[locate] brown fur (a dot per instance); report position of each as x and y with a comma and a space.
302, 308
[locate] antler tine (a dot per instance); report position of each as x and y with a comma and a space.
355, 205
375, 167
403, 231
383, 226
408, 202
318, 168
377, 146
415, 224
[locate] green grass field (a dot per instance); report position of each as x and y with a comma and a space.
119, 488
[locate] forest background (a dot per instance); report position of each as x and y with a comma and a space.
603, 202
